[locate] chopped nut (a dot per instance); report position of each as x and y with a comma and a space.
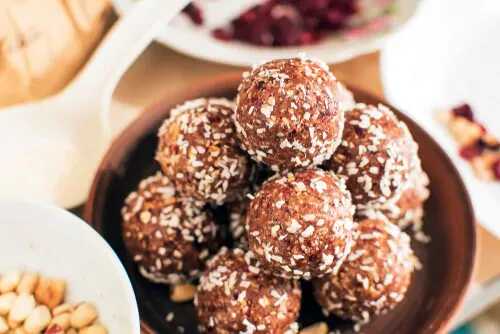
317, 328
182, 293
4, 328
9, 281
27, 284
50, 292
6, 302
62, 320
21, 308
38, 320
84, 315
94, 329
63, 308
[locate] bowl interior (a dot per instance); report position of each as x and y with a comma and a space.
55, 243
436, 290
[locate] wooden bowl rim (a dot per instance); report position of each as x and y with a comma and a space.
229, 79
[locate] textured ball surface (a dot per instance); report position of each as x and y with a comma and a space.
288, 113
235, 297
376, 155
198, 151
375, 277
169, 237
300, 225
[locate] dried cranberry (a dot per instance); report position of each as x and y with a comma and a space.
194, 13
223, 34
471, 151
496, 169
465, 111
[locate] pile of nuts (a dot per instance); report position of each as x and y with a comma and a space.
33, 304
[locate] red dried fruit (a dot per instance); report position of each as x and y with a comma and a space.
496, 169
54, 329
285, 22
471, 151
465, 111
194, 13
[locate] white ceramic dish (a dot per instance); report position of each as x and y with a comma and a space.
55, 243
198, 42
448, 54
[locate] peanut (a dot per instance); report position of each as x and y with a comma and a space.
94, 329
21, 308
38, 320
62, 320
27, 284
4, 328
84, 315
63, 308
318, 328
182, 293
50, 292
9, 281
6, 302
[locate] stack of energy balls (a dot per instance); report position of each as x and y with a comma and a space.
316, 186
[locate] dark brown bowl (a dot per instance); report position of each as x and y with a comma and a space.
436, 291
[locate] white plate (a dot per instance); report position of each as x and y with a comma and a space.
449, 53
55, 243
198, 42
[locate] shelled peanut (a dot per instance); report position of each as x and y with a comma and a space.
33, 304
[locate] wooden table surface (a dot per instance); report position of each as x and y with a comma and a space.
161, 72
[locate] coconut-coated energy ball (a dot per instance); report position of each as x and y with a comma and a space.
407, 209
288, 113
376, 155
198, 151
169, 237
300, 225
235, 297
375, 276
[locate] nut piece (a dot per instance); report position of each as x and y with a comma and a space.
27, 283
18, 331
9, 281
22, 308
38, 320
72, 331
63, 308
317, 328
3, 325
6, 302
84, 315
182, 293
54, 329
50, 292
62, 320
94, 329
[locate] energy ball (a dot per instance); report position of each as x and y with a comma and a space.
198, 151
407, 209
376, 155
237, 217
375, 276
300, 225
234, 297
169, 237
288, 113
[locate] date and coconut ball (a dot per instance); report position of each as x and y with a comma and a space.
300, 225
169, 237
375, 276
289, 114
198, 151
235, 297
376, 155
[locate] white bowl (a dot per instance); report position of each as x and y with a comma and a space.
447, 54
55, 243
198, 41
